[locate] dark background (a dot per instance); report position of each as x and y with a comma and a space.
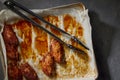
105, 21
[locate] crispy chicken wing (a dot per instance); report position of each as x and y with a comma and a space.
12, 52
48, 65
9, 35
11, 42
14, 72
57, 51
28, 72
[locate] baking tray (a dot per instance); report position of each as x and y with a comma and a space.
104, 17
6, 16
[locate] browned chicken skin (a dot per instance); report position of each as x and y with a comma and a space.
12, 52
14, 72
9, 36
28, 72
48, 65
11, 42
57, 51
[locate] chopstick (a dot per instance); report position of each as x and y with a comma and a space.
14, 6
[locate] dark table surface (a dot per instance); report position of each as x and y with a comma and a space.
105, 21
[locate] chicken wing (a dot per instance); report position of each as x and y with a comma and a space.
9, 35
12, 53
28, 72
57, 51
14, 72
11, 42
48, 65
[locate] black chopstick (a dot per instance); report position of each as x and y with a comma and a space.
51, 25
12, 7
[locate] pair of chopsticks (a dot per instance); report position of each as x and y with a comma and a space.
17, 7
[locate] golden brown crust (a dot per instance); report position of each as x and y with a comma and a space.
57, 51
24, 31
48, 65
28, 72
41, 39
